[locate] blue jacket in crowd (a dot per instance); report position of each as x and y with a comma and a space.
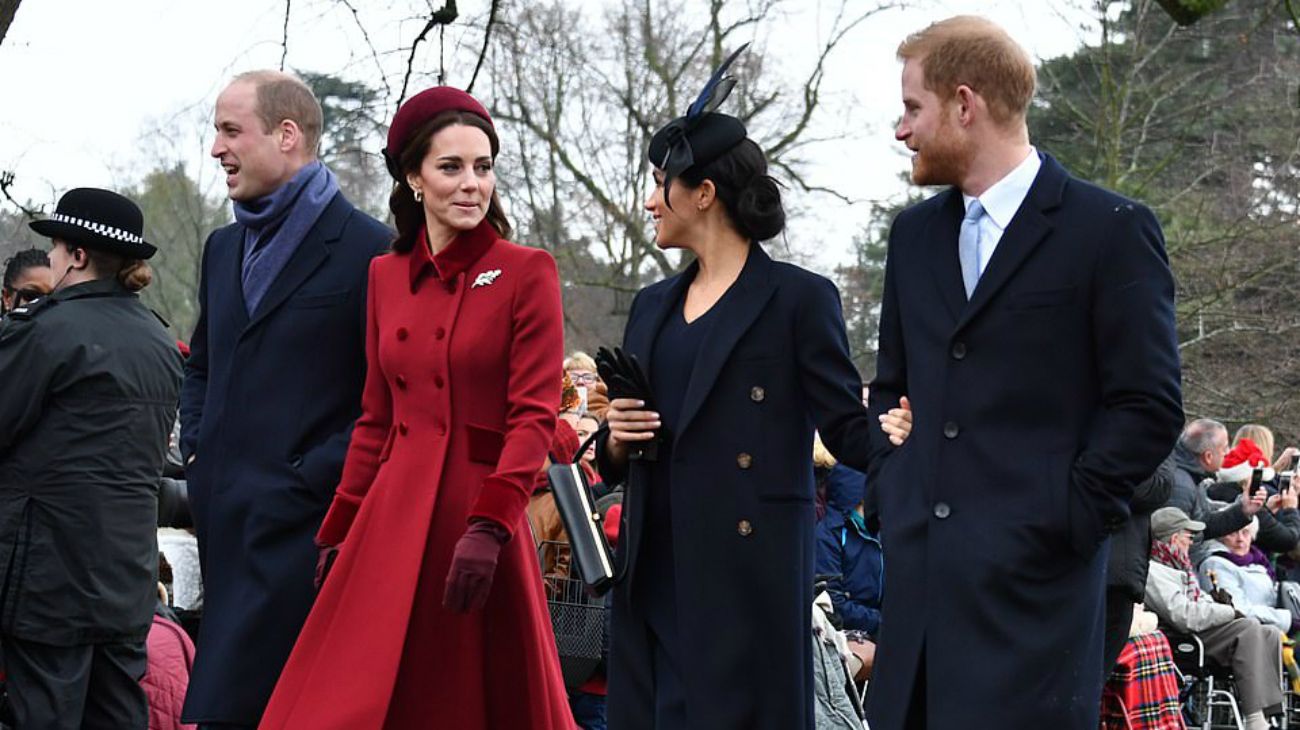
847, 549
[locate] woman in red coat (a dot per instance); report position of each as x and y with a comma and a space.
433, 613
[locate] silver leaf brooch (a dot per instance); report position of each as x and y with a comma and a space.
486, 278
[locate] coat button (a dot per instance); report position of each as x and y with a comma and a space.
744, 528
401, 333
400, 380
942, 510
438, 381
439, 333
959, 350
401, 428
744, 461
757, 394
950, 430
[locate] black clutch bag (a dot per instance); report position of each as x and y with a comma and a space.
588, 548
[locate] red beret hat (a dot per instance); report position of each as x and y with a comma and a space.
425, 106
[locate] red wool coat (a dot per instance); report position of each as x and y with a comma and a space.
464, 353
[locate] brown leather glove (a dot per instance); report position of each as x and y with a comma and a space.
473, 563
325, 561
1221, 596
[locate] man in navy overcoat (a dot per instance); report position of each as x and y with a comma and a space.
272, 386
1029, 318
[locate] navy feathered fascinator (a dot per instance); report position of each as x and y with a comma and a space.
702, 135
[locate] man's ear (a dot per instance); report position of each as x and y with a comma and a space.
966, 100
80, 259
290, 135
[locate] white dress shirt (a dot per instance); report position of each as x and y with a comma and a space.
1001, 201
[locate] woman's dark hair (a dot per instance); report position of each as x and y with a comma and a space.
20, 262
408, 213
750, 196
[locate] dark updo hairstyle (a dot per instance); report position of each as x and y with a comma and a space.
751, 197
19, 263
408, 213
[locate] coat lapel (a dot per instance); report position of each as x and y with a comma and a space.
739, 310
641, 334
229, 269
311, 253
940, 236
1027, 229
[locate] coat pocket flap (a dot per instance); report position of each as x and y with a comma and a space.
485, 443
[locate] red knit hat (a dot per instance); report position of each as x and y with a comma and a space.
1245, 457
421, 108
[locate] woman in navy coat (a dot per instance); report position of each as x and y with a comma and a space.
745, 357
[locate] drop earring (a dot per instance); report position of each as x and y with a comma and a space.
419, 195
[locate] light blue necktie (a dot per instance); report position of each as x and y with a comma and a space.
968, 246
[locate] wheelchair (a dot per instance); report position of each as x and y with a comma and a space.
1207, 693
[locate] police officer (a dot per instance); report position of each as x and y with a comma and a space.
91, 380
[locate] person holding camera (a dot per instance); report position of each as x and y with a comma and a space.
92, 378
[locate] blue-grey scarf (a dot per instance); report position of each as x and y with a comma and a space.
277, 223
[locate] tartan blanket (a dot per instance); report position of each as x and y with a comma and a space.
1145, 682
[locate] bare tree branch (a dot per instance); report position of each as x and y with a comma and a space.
284, 42
356, 17
487, 34
7, 181
8, 8
443, 16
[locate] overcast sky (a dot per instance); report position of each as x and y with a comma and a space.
86, 85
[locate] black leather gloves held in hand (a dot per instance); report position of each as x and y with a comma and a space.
624, 378
469, 581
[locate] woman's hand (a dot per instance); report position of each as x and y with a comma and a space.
897, 423
629, 425
1286, 461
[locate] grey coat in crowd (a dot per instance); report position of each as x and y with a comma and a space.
91, 382
1190, 496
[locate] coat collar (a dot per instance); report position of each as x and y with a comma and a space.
739, 308
106, 287
1024, 232
466, 249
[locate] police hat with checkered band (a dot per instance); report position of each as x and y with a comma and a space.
98, 219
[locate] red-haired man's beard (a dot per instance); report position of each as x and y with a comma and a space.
944, 159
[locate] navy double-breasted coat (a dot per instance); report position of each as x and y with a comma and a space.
1039, 405
775, 365
266, 412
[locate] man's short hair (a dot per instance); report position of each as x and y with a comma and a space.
972, 51
282, 96
1199, 435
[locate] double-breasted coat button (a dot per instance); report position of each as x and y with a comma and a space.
400, 380
744, 528
401, 428
959, 350
438, 381
942, 510
951, 429
744, 461
439, 333
757, 394
401, 333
